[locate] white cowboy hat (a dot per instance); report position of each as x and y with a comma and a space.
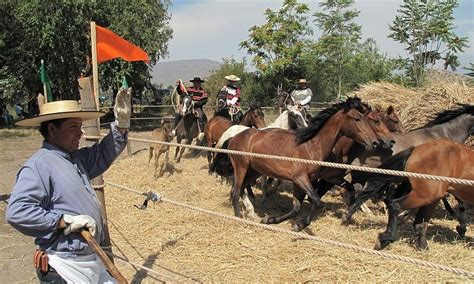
59, 110
302, 81
232, 78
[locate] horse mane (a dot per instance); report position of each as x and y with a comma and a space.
450, 114
257, 109
317, 122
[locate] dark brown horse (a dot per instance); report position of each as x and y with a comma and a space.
314, 142
217, 125
187, 128
438, 157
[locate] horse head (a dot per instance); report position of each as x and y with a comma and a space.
392, 121
221, 101
380, 129
284, 100
254, 117
187, 105
295, 117
356, 125
167, 129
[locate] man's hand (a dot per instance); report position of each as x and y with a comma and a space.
79, 222
123, 108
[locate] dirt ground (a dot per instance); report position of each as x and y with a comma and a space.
187, 246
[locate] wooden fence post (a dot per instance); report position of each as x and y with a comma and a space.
92, 128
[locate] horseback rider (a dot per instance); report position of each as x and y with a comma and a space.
199, 98
302, 97
232, 93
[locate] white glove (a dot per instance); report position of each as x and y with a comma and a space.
123, 108
78, 222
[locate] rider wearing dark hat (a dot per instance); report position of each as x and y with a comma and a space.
199, 97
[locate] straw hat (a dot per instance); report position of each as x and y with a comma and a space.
232, 78
302, 81
197, 79
59, 110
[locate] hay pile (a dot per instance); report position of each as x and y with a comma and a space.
416, 106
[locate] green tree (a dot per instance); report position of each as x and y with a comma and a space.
277, 47
426, 29
59, 33
339, 40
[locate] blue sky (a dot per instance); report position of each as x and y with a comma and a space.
213, 29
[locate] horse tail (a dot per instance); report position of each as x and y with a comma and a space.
221, 163
377, 185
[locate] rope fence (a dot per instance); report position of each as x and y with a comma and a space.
332, 243
307, 161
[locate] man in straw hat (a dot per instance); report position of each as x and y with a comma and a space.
302, 97
199, 97
53, 199
232, 93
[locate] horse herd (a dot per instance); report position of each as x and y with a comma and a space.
349, 132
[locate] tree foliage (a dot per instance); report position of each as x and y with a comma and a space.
278, 46
426, 29
59, 33
338, 42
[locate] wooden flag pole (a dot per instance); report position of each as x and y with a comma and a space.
95, 67
45, 90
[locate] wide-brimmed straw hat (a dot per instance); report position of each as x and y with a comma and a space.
59, 110
302, 81
197, 79
232, 78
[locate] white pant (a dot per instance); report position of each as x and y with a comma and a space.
80, 269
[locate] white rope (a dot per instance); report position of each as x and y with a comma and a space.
355, 248
312, 162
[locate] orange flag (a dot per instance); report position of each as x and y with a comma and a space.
110, 46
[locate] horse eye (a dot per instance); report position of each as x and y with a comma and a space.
377, 122
357, 119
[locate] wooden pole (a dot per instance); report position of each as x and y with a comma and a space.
95, 66
103, 256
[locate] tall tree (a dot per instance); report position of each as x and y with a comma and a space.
426, 29
59, 33
339, 40
278, 45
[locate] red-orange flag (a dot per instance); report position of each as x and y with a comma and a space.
110, 46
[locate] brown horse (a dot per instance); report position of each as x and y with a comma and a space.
217, 125
314, 142
438, 157
391, 120
160, 134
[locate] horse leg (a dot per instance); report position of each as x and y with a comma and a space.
421, 224
390, 233
157, 157
162, 165
298, 197
236, 192
305, 184
460, 215
150, 155
178, 141
181, 151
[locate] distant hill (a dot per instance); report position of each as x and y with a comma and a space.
167, 73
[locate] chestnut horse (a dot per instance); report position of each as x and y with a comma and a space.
314, 142
437, 157
217, 125
391, 119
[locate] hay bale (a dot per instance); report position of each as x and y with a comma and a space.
415, 107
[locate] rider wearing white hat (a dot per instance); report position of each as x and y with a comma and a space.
232, 93
302, 96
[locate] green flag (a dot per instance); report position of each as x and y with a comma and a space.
46, 82
124, 83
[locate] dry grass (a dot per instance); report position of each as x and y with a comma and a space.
416, 106
186, 246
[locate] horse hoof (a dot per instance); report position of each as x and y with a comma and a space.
461, 231
421, 245
297, 227
268, 220
380, 245
346, 220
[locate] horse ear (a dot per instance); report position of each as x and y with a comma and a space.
162, 122
390, 110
